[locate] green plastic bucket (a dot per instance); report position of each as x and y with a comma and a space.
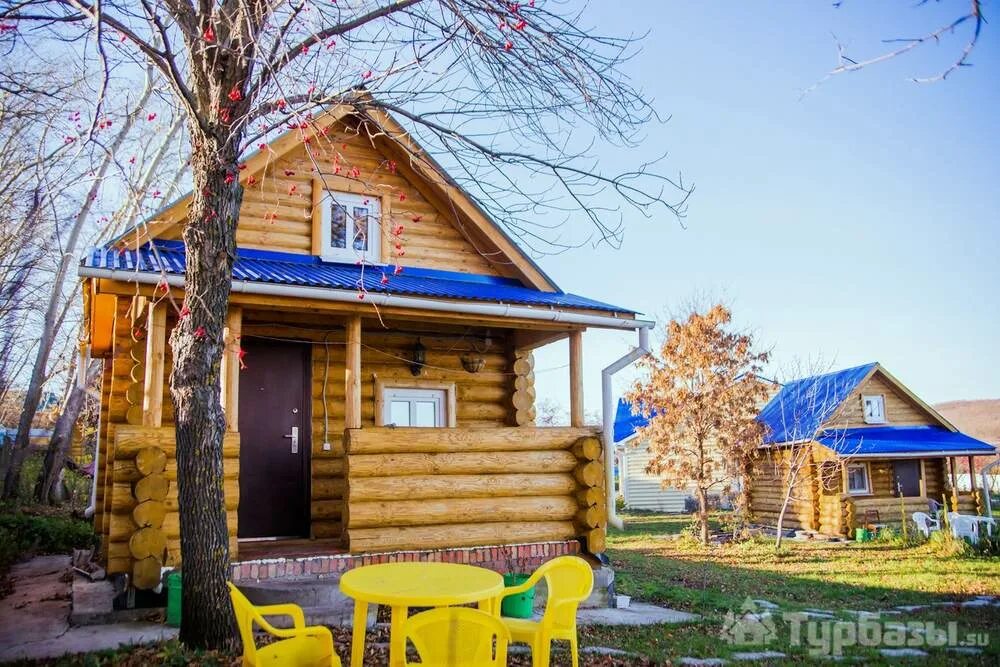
521, 605
862, 535
174, 599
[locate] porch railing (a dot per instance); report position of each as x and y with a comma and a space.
421, 488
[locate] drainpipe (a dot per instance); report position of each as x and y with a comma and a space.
609, 420
985, 473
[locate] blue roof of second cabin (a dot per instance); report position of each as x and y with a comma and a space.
626, 423
800, 408
902, 441
263, 266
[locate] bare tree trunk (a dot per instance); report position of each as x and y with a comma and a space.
62, 435
703, 514
197, 345
53, 320
781, 514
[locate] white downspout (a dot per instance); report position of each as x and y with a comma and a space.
609, 421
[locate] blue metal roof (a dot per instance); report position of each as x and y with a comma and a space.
901, 440
262, 266
627, 423
800, 408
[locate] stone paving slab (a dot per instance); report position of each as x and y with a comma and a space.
637, 613
34, 618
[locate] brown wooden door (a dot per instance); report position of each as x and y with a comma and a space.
274, 471
906, 478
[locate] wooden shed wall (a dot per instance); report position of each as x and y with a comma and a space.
277, 211
768, 489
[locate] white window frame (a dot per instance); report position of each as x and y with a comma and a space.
873, 399
385, 389
868, 479
349, 254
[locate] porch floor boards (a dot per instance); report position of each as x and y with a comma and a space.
290, 548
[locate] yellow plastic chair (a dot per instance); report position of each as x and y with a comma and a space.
457, 637
569, 581
301, 645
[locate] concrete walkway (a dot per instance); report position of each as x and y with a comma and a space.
34, 618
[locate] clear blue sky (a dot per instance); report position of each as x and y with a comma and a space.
859, 223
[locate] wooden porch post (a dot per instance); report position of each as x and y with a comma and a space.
352, 374
231, 368
576, 417
954, 484
152, 395
972, 476
923, 479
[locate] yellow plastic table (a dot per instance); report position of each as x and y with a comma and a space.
404, 585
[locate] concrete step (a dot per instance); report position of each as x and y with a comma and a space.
320, 599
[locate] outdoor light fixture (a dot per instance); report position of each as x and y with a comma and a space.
419, 358
472, 363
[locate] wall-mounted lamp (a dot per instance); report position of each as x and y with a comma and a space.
419, 358
472, 363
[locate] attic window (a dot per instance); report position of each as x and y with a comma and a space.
874, 409
350, 228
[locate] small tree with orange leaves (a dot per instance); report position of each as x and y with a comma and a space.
701, 397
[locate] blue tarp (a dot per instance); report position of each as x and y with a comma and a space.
309, 271
902, 440
800, 408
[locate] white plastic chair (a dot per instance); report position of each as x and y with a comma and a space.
963, 526
926, 523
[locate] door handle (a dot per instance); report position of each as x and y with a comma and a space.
294, 437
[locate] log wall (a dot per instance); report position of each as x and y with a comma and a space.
143, 512
277, 211
768, 489
412, 488
900, 409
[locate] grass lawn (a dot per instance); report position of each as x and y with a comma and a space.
833, 577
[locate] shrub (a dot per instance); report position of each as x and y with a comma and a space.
23, 534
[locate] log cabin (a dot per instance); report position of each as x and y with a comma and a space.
857, 447
377, 380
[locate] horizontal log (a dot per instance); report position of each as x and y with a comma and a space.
327, 509
125, 470
460, 510
149, 514
588, 448
328, 488
460, 486
589, 474
457, 535
130, 439
152, 487
427, 440
593, 495
595, 540
147, 542
471, 463
591, 517
326, 529
150, 461
327, 467
146, 572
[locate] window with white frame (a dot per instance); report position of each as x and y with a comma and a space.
874, 409
415, 407
350, 227
857, 478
